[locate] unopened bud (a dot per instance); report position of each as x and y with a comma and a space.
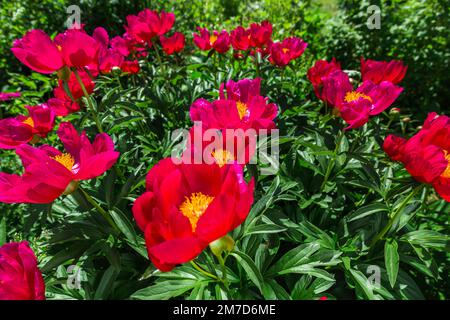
395, 111
406, 119
64, 73
71, 187
226, 243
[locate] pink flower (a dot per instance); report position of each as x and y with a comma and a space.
217, 41
24, 129
281, 53
242, 108
20, 278
378, 71
240, 39
78, 49
62, 104
38, 52
148, 24
172, 44
5, 96
131, 67
49, 173
260, 34
356, 106
319, 71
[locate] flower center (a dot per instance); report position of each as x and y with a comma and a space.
353, 96
285, 50
194, 207
29, 121
222, 157
242, 109
212, 39
446, 173
66, 160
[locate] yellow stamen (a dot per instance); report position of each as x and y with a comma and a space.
59, 47
353, 96
29, 121
242, 109
212, 39
222, 157
65, 159
194, 207
285, 50
446, 173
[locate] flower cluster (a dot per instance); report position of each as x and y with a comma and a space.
426, 155
256, 39
375, 94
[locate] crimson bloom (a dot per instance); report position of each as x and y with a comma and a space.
221, 147
260, 34
148, 24
20, 278
378, 71
130, 67
240, 39
219, 41
318, 72
5, 96
241, 108
356, 106
62, 104
24, 129
187, 206
173, 44
50, 173
38, 52
78, 49
281, 53
426, 155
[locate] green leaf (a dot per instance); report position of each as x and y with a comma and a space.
165, 290
391, 260
250, 268
427, 239
363, 283
2, 231
367, 211
106, 283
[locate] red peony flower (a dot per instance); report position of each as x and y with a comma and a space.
242, 108
50, 173
281, 53
78, 49
319, 71
221, 147
260, 34
173, 44
38, 52
5, 96
240, 39
131, 67
426, 155
217, 41
20, 278
62, 104
24, 129
356, 106
188, 206
148, 24
378, 71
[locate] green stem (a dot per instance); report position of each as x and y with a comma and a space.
201, 270
99, 209
90, 105
224, 271
257, 64
395, 216
332, 161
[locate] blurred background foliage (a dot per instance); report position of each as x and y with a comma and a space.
415, 31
